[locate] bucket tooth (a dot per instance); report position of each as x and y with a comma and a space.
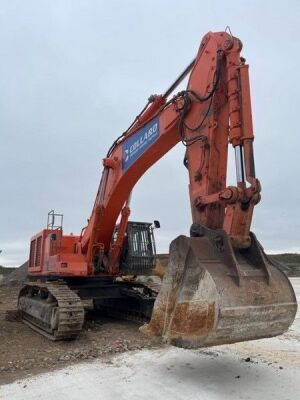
213, 294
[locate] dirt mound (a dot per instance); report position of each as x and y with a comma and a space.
17, 276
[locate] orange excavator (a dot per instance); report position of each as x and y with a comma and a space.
220, 286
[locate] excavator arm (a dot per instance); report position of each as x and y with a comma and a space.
214, 110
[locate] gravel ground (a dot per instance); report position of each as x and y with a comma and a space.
263, 371
24, 352
266, 369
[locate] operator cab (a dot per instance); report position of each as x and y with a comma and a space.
138, 252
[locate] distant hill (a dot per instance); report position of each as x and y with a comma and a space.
289, 258
287, 262
6, 270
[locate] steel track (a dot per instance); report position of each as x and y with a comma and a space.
69, 309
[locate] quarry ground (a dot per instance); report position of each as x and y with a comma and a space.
24, 352
261, 369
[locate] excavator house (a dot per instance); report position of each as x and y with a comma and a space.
219, 286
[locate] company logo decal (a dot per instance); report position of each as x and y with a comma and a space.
138, 143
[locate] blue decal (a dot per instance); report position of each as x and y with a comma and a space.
138, 143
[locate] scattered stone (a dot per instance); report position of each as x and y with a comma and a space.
23, 351
64, 357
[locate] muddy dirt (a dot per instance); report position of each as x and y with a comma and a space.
24, 352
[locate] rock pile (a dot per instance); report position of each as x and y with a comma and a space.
17, 276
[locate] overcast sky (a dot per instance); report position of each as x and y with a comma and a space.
74, 74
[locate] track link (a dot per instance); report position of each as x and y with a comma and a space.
52, 309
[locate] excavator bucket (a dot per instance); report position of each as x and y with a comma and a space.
213, 294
